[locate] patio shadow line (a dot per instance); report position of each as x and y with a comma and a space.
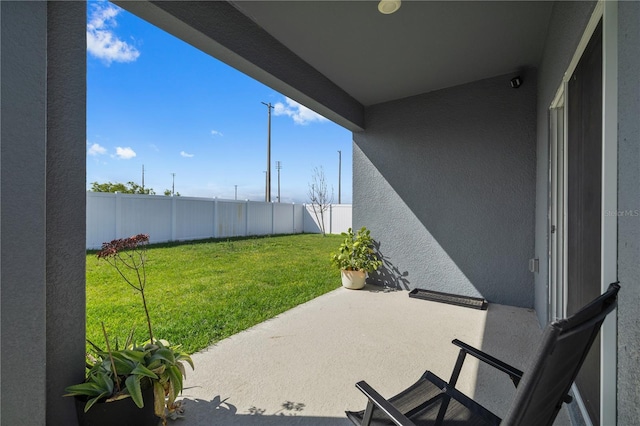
200, 412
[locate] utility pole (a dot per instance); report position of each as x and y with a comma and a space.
236, 192
173, 184
266, 186
143, 178
278, 167
339, 176
268, 189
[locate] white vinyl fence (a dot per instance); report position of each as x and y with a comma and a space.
111, 216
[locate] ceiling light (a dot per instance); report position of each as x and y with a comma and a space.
387, 7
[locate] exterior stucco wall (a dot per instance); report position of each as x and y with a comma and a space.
22, 189
65, 205
445, 181
629, 206
568, 22
42, 193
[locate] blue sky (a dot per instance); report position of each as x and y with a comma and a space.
156, 101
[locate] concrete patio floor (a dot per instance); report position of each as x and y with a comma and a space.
300, 368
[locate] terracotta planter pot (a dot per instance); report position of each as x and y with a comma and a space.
123, 412
353, 280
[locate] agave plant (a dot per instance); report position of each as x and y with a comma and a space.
125, 372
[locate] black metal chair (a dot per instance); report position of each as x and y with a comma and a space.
540, 391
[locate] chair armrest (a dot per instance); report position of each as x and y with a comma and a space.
513, 372
385, 406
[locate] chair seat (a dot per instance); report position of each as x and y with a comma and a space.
430, 402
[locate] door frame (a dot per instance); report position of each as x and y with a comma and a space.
608, 12
557, 215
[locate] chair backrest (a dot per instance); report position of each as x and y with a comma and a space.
565, 344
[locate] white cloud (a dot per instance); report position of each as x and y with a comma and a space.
299, 113
216, 133
96, 149
101, 40
125, 153
186, 155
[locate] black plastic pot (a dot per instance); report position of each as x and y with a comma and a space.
123, 412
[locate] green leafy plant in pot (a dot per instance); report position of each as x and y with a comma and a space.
355, 258
146, 376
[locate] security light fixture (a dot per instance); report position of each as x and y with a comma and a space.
516, 82
387, 7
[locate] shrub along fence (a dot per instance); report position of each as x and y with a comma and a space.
113, 215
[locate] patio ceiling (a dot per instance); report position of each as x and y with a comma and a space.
337, 57
424, 46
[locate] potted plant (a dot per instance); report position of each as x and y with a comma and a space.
138, 383
355, 258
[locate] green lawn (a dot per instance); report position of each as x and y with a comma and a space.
201, 292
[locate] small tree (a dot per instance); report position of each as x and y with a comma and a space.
123, 188
319, 196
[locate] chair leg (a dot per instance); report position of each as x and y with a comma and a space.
458, 367
368, 412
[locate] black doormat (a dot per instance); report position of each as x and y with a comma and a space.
452, 299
